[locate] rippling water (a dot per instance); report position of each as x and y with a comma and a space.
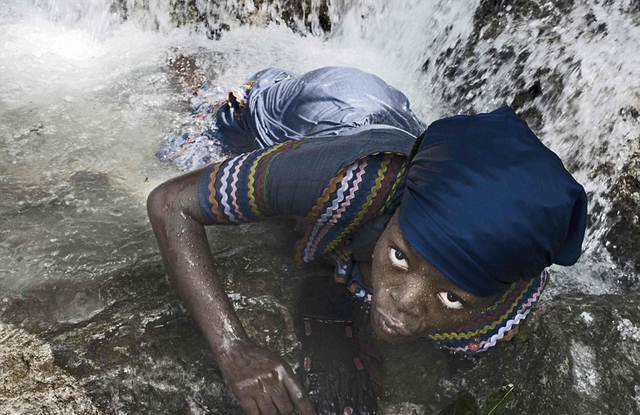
83, 89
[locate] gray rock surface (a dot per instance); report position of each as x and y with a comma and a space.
122, 342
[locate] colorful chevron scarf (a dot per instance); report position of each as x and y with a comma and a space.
361, 191
355, 201
499, 322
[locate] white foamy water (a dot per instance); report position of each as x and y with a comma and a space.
83, 89
86, 98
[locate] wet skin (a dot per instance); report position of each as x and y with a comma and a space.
261, 381
411, 298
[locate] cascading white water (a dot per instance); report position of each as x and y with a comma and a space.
84, 86
86, 98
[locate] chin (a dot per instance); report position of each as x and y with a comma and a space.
396, 340
387, 333
391, 340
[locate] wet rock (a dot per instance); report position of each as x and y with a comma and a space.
31, 382
475, 61
579, 354
217, 17
526, 95
141, 353
623, 238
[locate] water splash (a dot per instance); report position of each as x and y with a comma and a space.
85, 85
86, 98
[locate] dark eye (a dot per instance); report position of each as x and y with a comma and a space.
398, 259
450, 300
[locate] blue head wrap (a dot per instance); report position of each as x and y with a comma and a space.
488, 204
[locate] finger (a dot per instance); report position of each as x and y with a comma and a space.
249, 406
298, 395
266, 406
282, 401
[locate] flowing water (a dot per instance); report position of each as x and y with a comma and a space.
86, 98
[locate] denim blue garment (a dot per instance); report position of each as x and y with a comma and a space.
331, 101
276, 105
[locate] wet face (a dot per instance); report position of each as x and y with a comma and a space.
411, 297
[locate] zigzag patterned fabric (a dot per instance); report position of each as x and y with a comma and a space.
360, 192
237, 187
236, 191
499, 322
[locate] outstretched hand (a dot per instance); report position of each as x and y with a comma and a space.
263, 383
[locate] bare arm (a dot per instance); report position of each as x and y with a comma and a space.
262, 382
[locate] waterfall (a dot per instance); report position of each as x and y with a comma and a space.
87, 97
570, 71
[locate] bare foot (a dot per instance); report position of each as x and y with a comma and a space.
187, 73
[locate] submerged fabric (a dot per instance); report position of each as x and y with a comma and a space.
488, 204
276, 105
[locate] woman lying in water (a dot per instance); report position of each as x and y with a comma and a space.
446, 231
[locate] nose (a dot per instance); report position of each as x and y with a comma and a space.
409, 297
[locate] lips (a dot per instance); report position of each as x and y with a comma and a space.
384, 323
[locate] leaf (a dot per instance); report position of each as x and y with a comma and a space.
499, 402
524, 334
465, 404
